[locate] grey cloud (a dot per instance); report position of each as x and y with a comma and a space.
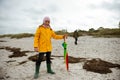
36, 13
115, 5
112, 6
48, 9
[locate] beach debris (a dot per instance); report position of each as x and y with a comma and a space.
94, 64
72, 59
3, 41
16, 51
10, 61
99, 66
75, 60
2, 47
22, 62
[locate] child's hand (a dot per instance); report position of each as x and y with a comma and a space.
65, 36
36, 49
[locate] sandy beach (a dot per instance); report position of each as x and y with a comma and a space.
21, 68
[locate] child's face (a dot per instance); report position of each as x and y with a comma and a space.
47, 22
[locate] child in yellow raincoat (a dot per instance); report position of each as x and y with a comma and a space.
42, 44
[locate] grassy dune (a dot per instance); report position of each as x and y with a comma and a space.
17, 36
106, 33
109, 33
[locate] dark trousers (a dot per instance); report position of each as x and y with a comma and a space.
41, 56
76, 40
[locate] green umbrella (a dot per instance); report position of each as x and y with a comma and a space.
64, 44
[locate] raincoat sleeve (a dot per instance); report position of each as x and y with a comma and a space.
36, 37
55, 36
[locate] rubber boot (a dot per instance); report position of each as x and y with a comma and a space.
49, 70
36, 71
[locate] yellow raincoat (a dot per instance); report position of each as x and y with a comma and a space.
42, 38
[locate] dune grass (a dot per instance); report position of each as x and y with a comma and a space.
107, 33
17, 36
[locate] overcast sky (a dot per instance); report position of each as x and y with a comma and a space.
18, 16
